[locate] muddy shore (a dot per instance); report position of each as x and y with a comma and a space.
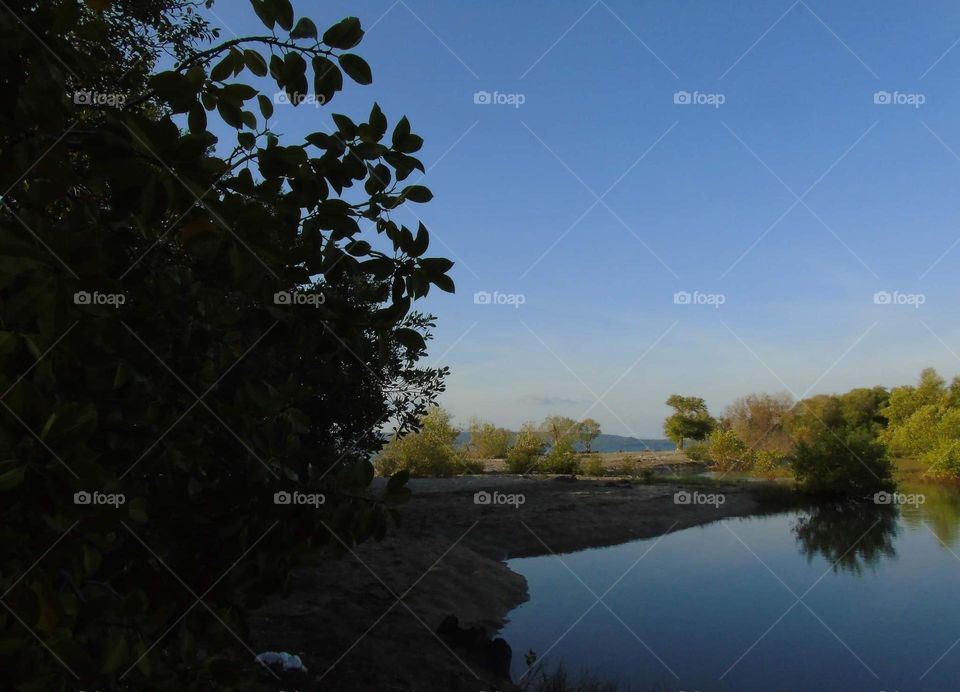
447, 558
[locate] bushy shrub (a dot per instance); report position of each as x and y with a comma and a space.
525, 454
767, 462
842, 462
727, 451
561, 459
487, 441
697, 451
943, 461
593, 466
428, 452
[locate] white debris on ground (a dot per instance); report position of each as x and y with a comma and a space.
288, 661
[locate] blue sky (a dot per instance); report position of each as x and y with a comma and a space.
794, 200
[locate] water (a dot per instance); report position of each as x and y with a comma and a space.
715, 607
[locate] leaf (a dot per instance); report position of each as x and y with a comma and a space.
345, 126
401, 132
345, 34
356, 67
138, 509
283, 11
417, 193
378, 123
12, 478
197, 119
265, 11
304, 29
255, 62
223, 69
91, 559
410, 338
247, 140
436, 265
266, 106
444, 283
420, 243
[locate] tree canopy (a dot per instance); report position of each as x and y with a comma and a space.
190, 326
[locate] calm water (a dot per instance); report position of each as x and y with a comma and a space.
877, 613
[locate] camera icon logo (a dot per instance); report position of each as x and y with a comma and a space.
882, 498
282, 497
882, 298
482, 298
681, 98
682, 497
82, 497
482, 98
482, 497
81, 298
281, 298
682, 298
882, 98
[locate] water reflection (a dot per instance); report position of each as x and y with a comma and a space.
940, 511
850, 536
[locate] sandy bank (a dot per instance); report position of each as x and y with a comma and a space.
447, 559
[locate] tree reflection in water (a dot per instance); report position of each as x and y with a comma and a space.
848, 535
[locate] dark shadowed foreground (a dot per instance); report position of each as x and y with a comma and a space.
347, 624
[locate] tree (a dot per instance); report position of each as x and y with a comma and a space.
815, 415
842, 462
761, 421
587, 431
559, 430
690, 419
200, 326
428, 452
487, 441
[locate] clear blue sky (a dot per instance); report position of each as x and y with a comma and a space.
695, 198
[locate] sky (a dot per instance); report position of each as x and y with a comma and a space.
695, 197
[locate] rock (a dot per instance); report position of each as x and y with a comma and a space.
494, 654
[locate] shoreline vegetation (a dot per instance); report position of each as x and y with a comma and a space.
840, 445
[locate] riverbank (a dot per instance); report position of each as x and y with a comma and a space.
447, 559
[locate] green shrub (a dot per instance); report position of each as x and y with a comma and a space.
593, 466
842, 462
698, 451
524, 456
943, 461
727, 451
561, 459
428, 452
767, 462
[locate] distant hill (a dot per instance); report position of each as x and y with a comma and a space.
607, 443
